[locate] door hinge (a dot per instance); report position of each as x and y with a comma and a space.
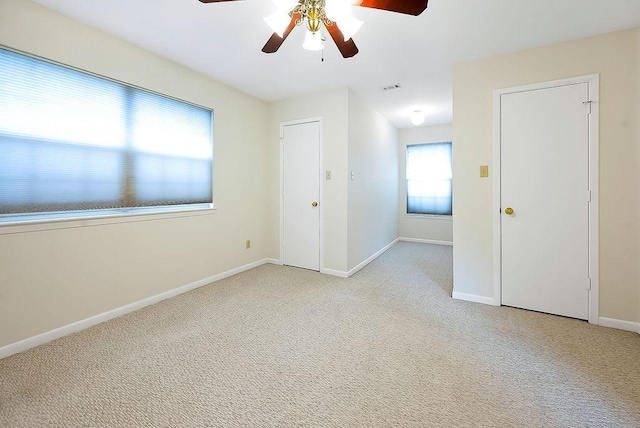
589, 196
589, 103
588, 283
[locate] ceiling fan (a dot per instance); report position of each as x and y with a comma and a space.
334, 14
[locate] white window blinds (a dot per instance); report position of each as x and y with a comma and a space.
429, 175
72, 143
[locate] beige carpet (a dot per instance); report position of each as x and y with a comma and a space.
284, 347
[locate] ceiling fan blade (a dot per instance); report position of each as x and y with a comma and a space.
275, 41
348, 48
216, 1
410, 7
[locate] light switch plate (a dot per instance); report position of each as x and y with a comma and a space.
327, 175
484, 171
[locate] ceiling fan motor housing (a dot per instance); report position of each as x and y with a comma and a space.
314, 15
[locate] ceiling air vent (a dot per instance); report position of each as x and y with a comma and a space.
392, 87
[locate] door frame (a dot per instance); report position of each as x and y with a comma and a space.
319, 120
593, 82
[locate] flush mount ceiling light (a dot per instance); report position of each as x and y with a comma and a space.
335, 15
417, 117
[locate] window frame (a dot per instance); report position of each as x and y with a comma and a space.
446, 217
11, 223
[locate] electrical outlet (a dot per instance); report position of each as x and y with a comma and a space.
248, 244
484, 171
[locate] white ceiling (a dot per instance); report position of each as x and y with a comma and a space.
224, 41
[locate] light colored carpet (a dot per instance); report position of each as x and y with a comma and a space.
284, 347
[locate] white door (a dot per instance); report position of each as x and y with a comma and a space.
545, 181
301, 195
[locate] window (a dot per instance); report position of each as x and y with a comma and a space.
429, 179
74, 144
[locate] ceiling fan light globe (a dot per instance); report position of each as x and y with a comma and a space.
349, 27
313, 42
278, 22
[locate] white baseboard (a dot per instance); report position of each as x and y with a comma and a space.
343, 274
474, 298
333, 272
57, 333
619, 324
426, 241
273, 261
372, 258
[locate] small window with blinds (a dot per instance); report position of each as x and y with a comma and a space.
429, 176
73, 144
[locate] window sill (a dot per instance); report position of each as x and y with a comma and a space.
37, 225
430, 216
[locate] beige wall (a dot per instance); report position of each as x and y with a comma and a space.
332, 106
53, 275
432, 228
615, 57
638, 131
354, 138
373, 193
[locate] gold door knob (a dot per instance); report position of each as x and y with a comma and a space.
314, 204
509, 211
